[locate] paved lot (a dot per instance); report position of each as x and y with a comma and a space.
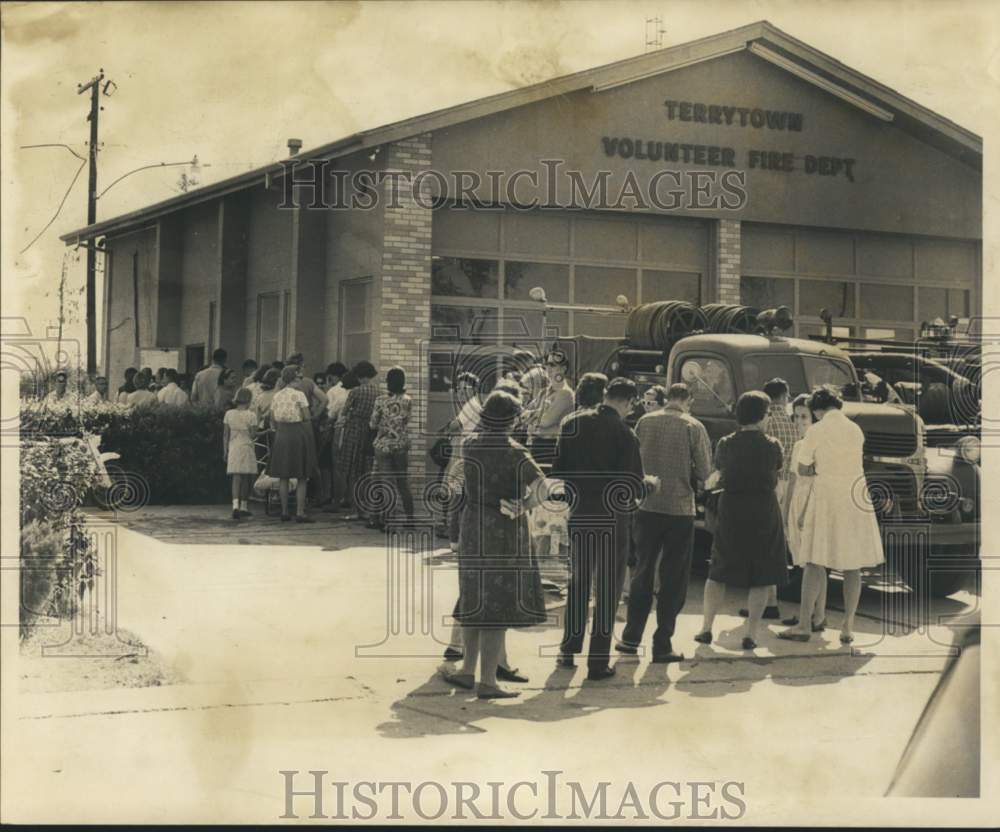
295, 656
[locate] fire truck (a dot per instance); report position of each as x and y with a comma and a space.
926, 498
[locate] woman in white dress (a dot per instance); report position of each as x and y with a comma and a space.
837, 530
795, 502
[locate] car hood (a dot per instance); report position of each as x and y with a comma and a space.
881, 418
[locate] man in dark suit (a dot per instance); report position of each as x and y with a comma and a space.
598, 458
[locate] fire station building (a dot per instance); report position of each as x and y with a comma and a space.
743, 167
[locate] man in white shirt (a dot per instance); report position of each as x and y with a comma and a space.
206, 381
100, 391
171, 392
142, 397
336, 395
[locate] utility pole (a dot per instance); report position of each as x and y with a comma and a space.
94, 85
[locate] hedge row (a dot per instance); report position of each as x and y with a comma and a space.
173, 453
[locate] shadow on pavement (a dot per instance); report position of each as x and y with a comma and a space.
435, 709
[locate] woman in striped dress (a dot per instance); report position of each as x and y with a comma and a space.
357, 415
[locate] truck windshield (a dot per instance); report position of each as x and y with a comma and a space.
802, 372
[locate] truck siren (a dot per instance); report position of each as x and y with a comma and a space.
774, 319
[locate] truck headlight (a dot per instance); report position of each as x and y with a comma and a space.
970, 449
967, 505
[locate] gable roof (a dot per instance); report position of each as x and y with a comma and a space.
761, 38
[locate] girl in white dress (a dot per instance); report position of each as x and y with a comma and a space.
239, 431
838, 529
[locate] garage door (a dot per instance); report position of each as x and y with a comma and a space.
876, 286
485, 266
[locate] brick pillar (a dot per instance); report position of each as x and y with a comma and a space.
727, 261
406, 284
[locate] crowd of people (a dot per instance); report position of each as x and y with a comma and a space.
312, 437
625, 471
779, 491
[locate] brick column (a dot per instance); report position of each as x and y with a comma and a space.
727, 261
406, 284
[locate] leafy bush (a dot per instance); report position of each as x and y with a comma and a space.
58, 566
57, 561
171, 455
167, 455
176, 450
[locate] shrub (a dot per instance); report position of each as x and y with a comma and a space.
57, 561
174, 454
177, 451
57, 567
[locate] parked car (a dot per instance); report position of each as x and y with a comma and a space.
942, 758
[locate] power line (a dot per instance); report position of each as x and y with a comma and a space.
62, 201
70, 149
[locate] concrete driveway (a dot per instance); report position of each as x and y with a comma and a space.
295, 656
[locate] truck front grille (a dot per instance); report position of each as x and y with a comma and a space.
890, 444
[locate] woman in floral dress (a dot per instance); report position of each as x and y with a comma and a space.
391, 421
500, 585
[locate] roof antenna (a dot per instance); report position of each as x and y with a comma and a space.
654, 33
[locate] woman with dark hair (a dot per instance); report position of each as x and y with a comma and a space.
357, 416
128, 386
262, 399
654, 398
836, 530
500, 586
590, 390
748, 547
225, 389
253, 384
391, 422
797, 496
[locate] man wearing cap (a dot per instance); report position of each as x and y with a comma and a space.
58, 397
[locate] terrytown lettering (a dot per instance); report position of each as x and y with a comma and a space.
733, 116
